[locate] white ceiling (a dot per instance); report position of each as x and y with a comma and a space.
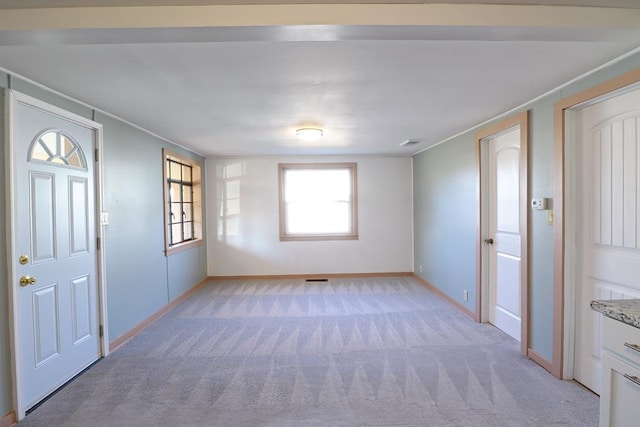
243, 90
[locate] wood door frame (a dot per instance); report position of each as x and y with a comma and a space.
522, 120
12, 98
564, 332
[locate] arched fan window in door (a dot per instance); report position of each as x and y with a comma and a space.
54, 146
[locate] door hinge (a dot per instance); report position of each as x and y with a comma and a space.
96, 158
101, 331
98, 245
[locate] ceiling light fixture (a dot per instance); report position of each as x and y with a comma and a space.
309, 134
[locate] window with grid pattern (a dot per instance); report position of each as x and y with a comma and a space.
183, 202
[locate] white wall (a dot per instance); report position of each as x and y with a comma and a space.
249, 243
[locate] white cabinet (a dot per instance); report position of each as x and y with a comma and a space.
620, 393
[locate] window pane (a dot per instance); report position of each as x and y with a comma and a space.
186, 193
176, 233
186, 173
176, 213
317, 185
188, 231
67, 146
39, 153
175, 171
49, 139
174, 192
187, 208
74, 160
317, 218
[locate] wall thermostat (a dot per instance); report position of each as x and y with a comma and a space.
539, 204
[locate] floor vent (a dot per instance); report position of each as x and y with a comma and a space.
316, 280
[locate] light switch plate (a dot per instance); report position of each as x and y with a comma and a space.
104, 218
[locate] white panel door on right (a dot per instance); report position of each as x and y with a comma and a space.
504, 227
609, 235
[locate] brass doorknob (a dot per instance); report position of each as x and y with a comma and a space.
27, 280
488, 241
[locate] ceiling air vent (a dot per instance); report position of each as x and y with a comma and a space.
411, 142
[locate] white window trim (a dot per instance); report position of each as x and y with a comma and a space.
198, 208
353, 235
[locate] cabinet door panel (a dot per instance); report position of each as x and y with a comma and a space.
620, 395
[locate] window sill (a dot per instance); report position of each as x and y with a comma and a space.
317, 237
182, 247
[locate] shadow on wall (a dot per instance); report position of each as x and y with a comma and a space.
240, 201
228, 182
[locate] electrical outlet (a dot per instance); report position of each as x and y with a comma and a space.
420, 268
465, 295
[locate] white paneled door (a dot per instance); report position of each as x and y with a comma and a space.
54, 265
504, 229
609, 235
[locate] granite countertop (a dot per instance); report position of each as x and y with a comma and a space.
624, 310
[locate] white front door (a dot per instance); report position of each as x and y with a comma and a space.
504, 232
54, 266
609, 208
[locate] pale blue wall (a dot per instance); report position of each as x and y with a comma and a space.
140, 279
446, 203
541, 234
445, 217
184, 269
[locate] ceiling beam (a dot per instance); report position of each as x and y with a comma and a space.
318, 14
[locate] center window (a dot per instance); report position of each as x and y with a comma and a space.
318, 201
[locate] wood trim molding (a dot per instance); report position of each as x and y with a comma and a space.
525, 225
444, 296
118, 342
559, 132
311, 276
546, 364
8, 419
479, 194
512, 121
522, 120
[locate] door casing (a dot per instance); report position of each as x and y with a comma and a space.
561, 364
573, 200
11, 99
482, 279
